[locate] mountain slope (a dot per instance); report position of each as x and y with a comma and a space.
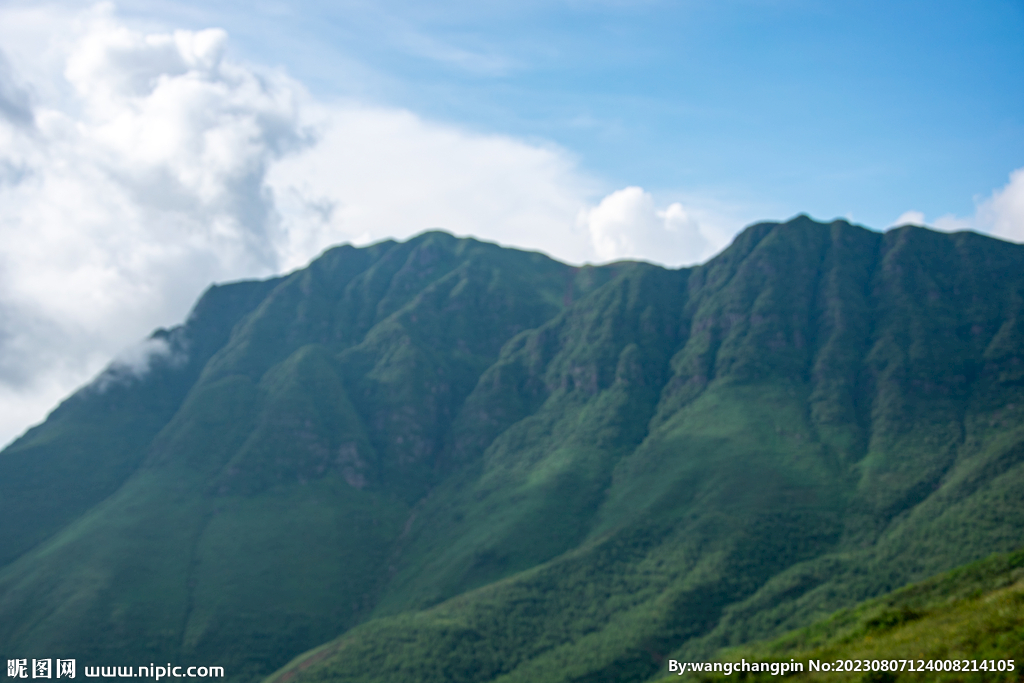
277, 479
972, 613
505, 467
829, 394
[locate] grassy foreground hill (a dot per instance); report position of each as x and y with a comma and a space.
973, 616
468, 463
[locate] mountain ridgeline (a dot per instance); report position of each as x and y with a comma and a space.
465, 463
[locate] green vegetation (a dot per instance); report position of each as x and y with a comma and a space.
973, 613
466, 463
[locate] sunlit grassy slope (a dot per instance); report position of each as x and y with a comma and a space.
467, 463
974, 613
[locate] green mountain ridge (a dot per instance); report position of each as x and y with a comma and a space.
477, 464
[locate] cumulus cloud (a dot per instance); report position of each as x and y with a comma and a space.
627, 225
140, 183
378, 172
1001, 214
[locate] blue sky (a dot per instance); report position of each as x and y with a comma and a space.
149, 148
866, 109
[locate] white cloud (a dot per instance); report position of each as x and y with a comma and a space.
126, 190
626, 224
1001, 214
378, 172
136, 360
908, 218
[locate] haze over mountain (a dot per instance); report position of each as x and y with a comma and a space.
475, 463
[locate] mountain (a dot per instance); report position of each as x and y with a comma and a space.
469, 463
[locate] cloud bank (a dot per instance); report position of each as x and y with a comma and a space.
138, 167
